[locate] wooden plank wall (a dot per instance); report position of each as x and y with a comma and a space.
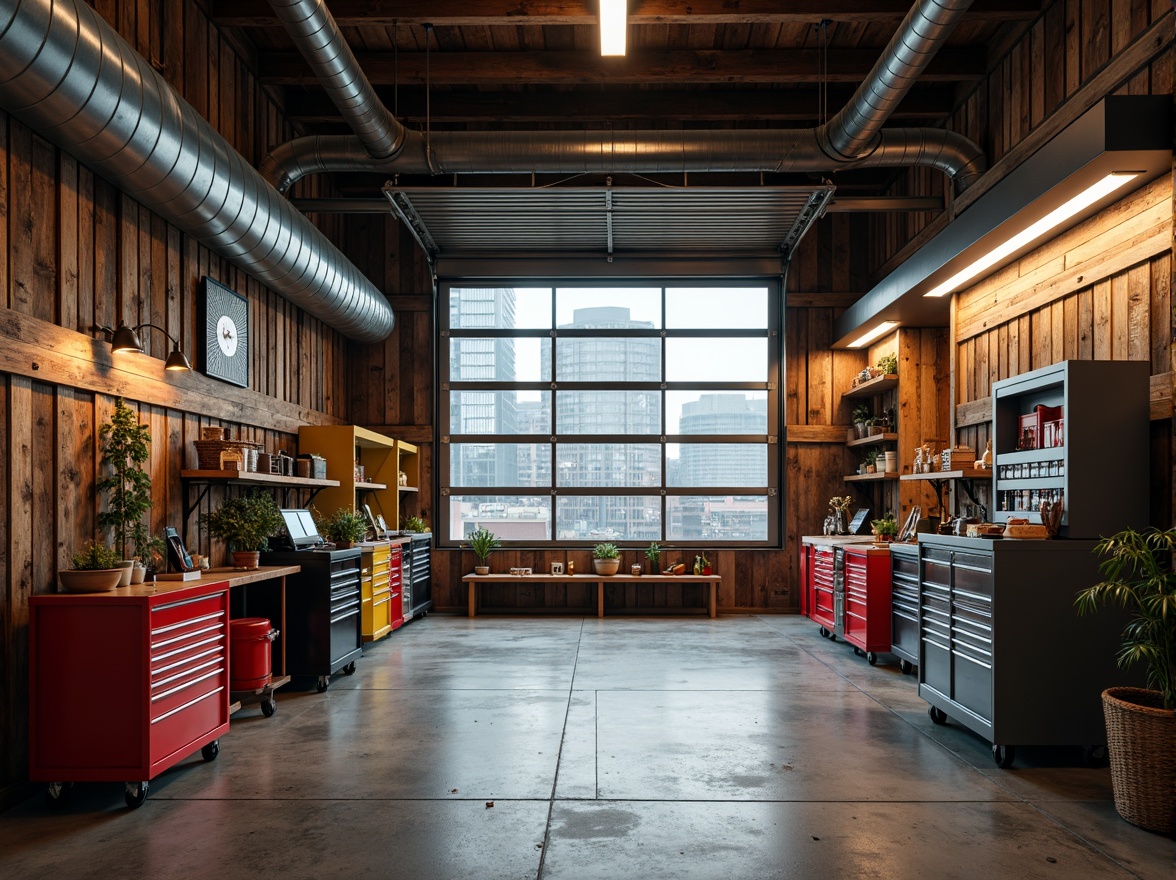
1101, 291
1075, 53
74, 251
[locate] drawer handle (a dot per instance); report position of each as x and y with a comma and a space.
187, 705
191, 621
176, 690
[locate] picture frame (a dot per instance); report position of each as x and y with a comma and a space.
225, 319
557, 568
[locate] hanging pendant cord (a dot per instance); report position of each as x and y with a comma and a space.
396, 69
428, 97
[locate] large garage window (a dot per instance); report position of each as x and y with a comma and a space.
626, 413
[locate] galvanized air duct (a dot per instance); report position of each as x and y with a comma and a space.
66, 73
853, 139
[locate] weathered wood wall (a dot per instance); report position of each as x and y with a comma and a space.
74, 252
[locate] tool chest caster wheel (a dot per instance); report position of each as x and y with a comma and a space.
905, 667
269, 707
1003, 756
938, 716
872, 658
136, 794
349, 669
210, 751
57, 794
324, 682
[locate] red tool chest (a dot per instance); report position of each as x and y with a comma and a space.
820, 572
122, 685
867, 599
396, 581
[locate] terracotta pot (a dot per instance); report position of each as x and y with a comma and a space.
605, 567
246, 559
481, 569
97, 580
344, 545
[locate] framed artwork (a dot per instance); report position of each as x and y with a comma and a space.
557, 568
225, 316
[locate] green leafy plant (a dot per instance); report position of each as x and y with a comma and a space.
653, 553
245, 522
482, 541
606, 551
861, 414
888, 364
1138, 576
346, 525
414, 524
126, 448
93, 556
870, 457
885, 526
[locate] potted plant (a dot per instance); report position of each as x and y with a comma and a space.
414, 524
482, 541
885, 528
888, 364
861, 420
95, 570
126, 448
870, 460
245, 523
606, 559
1141, 723
653, 554
345, 527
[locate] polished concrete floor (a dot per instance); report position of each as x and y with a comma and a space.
736, 748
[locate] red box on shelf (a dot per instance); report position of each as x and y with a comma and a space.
1032, 432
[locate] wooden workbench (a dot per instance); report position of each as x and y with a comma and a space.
473, 581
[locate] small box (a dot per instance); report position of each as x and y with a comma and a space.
957, 458
519, 570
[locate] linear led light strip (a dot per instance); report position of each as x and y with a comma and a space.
881, 330
1058, 215
613, 24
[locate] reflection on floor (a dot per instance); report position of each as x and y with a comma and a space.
743, 747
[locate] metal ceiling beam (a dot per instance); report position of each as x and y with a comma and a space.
654, 66
512, 13
713, 105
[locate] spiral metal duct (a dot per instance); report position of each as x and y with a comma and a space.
68, 75
852, 139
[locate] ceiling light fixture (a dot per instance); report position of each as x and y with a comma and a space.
1054, 218
868, 337
126, 339
613, 25
1116, 147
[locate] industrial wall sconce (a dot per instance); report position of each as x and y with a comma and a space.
126, 338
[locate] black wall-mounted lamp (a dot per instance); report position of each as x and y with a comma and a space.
126, 338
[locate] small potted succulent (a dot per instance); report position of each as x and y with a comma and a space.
414, 524
885, 528
870, 460
861, 420
482, 541
606, 559
346, 527
95, 569
653, 553
888, 365
246, 524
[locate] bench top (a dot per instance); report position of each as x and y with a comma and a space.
506, 577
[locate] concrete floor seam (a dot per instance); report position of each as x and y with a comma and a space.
559, 754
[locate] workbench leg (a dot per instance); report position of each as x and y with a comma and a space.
712, 609
282, 614
600, 598
473, 600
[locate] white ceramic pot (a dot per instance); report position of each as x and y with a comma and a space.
138, 573
127, 566
98, 580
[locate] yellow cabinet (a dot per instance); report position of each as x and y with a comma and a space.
376, 587
382, 458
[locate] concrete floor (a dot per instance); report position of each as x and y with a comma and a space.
737, 748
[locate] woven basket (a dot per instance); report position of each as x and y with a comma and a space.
208, 451
1141, 743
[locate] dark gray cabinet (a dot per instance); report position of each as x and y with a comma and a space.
904, 605
1002, 650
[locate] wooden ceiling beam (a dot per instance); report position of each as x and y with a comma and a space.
489, 13
729, 105
587, 68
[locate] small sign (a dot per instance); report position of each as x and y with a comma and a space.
557, 568
855, 524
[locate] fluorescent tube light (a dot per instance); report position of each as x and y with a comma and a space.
881, 330
1054, 218
613, 25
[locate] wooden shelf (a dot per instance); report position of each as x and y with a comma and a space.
869, 478
874, 387
873, 440
370, 486
254, 478
962, 474
408, 489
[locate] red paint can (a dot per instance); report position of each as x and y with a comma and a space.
250, 667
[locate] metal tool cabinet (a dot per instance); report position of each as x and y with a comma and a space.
867, 600
124, 684
1002, 649
904, 605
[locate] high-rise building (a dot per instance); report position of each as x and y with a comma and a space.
726, 464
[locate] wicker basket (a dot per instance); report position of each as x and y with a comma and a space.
1141, 743
208, 451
